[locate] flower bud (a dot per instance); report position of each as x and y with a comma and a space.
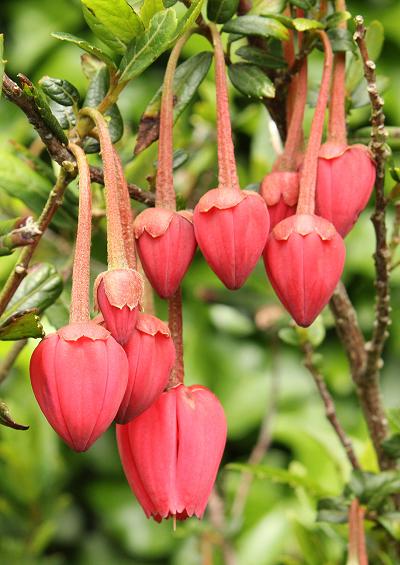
231, 228
151, 356
79, 376
171, 452
118, 293
280, 190
166, 245
346, 177
304, 258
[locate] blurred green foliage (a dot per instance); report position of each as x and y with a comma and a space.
57, 507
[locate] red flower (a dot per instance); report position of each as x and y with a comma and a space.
346, 177
231, 228
304, 259
280, 190
151, 356
79, 375
118, 293
166, 246
171, 452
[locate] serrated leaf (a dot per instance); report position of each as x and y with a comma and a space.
250, 80
220, 11
374, 38
187, 79
188, 19
257, 25
260, 57
149, 8
148, 46
85, 46
40, 288
60, 90
2, 61
44, 109
97, 89
265, 7
6, 419
118, 17
305, 24
21, 326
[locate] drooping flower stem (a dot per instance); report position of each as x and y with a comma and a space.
227, 172
288, 160
306, 204
80, 309
175, 326
115, 244
125, 212
165, 193
337, 113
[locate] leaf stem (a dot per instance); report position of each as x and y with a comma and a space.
165, 193
306, 204
80, 308
115, 243
227, 174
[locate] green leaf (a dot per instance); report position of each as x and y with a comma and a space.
220, 11
21, 325
360, 96
148, 46
392, 446
6, 419
117, 17
305, 4
97, 89
44, 109
9, 225
289, 336
261, 58
149, 8
188, 19
257, 25
341, 40
333, 510
188, 77
266, 7
250, 80
315, 334
337, 18
373, 488
85, 46
179, 158
304, 24
103, 33
374, 39
2, 61
64, 114
40, 288
60, 90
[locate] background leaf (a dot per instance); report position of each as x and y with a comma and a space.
250, 80
257, 25
221, 11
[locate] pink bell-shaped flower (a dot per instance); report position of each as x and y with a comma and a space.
231, 229
346, 177
166, 244
171, 452
151, 356
119, 293
304, 259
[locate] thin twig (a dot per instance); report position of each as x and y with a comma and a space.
57, 150
10, 358
330, 409
21, 268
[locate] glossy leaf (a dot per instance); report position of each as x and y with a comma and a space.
220, 11
260, 57
83, 44
117, 17
149, 8
266, 7
187, 79
188, 19
257, 25
64, 114
305, 24
148, 46
21, 326
60, 90
250, 80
